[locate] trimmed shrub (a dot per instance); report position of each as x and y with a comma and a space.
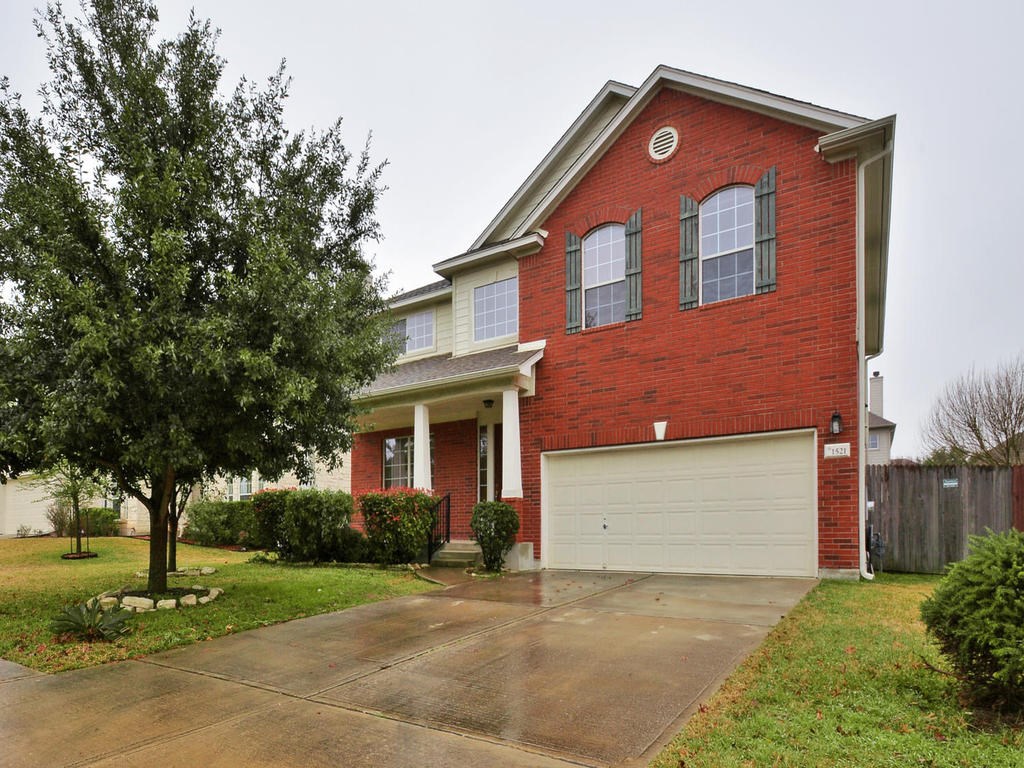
218, 523
99, 521
313, 524
353, 547
398, 522
976, 615
495, 525
267, 516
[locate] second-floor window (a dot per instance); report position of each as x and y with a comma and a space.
727, 245
496, 309
604, 276
415, 332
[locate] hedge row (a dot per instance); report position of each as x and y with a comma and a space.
313, 526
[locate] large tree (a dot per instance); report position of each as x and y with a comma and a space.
979, 418
185, 286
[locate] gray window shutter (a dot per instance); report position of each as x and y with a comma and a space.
633, 248
764, 235
573, 282
689, 251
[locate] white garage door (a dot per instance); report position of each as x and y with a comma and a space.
736, 506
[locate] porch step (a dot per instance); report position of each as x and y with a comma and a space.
457, 554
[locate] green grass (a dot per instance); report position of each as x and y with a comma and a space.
843, 681
35, 584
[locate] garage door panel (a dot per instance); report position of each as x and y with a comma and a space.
744, 506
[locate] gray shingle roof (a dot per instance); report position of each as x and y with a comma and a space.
423, 290
875, 421
443, 367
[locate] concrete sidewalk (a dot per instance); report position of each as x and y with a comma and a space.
540, 669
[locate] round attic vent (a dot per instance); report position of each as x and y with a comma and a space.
663, 143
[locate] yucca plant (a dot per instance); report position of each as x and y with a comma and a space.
90, 622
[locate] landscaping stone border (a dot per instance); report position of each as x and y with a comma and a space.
115, 599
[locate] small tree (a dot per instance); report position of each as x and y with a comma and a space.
979, 418
73, 488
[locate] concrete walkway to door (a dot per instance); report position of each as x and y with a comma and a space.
538, 669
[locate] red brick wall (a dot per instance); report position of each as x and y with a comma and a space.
454, 467
782, 360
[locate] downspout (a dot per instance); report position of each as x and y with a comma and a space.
862, 362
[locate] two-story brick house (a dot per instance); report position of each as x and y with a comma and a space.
650, 348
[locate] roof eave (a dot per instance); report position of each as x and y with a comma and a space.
423, 298
871, 144
516, 248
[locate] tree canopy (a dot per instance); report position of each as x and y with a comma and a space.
186, 288
979, 418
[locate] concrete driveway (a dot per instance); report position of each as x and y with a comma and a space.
545, 669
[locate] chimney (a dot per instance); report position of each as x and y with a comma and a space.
875, 394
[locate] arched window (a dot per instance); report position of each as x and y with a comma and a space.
727, 244
604, 276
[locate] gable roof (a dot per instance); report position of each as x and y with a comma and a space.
615, 107
879, 422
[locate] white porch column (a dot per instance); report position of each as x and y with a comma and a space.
511, 455
421, 448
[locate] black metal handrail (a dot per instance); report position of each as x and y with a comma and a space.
441, 528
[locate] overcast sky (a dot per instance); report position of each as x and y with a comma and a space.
465, 98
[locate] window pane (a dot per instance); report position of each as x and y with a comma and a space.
605, 304
399, 332
726, 240
604, 255
398, 462
419, 330
496, 309
727, 277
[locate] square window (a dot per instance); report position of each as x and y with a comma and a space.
496, 309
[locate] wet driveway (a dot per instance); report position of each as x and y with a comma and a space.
541, 669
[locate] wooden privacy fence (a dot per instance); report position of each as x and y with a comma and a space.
926, 514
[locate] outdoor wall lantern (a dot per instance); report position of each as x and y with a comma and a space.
488, 403
837, 423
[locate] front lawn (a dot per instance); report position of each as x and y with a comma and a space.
35, 584
842, 681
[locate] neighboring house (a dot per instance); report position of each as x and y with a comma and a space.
236, 488
656, 350
24, 506
880, 430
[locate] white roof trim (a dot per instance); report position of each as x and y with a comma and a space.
790, 110
422, 298
519, 246
847, 142
610, 88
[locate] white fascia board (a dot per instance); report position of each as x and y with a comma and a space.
526, 367
423, 298
868, 136
519, 246
780, 107
484, 376
611, 88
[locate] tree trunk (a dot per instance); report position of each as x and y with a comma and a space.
172, 540
158, 547
159, 504
78, 524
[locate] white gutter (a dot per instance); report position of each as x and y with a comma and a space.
862, 360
